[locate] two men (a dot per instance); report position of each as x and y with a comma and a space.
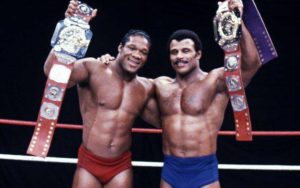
191, 107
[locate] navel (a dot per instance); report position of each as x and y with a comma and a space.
101, 103
112, 144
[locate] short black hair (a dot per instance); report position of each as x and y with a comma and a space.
186, 34
135, 32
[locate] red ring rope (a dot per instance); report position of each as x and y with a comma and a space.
156, 131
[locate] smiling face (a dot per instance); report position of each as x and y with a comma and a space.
184, 58
134, 53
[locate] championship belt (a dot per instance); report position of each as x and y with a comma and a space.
228, 32
70, 42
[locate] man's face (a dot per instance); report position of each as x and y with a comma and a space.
134, 53
183, 56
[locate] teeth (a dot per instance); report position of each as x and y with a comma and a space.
183, 62
135, 62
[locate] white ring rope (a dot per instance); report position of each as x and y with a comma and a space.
153, 164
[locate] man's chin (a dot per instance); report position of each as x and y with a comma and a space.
132, 71
181, 71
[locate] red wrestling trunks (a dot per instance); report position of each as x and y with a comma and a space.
103, 168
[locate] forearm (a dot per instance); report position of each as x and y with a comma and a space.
153, 120
250, 58
151, 113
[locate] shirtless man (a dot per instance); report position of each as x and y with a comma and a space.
110, 98
192, 108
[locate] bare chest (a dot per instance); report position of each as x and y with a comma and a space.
112, 93
191, 100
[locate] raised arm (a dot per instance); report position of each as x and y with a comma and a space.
250, 61
80, 70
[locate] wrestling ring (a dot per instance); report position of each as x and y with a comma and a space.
273, 167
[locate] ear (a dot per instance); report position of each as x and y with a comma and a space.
120, 48
199, 55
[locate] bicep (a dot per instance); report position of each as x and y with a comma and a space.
80, 72
249, 67
220, 79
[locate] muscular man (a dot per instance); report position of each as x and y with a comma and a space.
192, 108
110, 98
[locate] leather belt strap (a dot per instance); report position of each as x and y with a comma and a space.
259, 32
237, 95
51, 103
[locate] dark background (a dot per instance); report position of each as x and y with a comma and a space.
26, 29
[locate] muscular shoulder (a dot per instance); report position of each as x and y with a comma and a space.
217, 76
92, 64
163, 80
147, 83
217, 73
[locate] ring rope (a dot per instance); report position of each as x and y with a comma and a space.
155, 131
152, 164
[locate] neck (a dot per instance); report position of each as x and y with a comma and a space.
190, 77
121, 73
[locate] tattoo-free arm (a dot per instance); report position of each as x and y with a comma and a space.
151, 113
80, 71
250, 61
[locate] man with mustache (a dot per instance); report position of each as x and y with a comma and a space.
110, 98
192, 107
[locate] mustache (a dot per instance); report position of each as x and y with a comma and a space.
180, 61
